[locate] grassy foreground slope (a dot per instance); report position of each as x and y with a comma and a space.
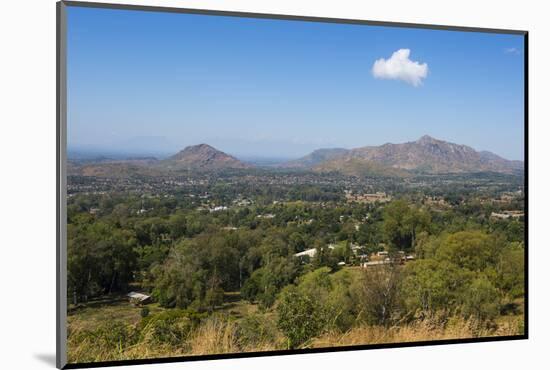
117, 331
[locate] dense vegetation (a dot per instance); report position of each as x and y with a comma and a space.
192, 257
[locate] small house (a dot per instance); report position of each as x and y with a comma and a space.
139, 298
308, 252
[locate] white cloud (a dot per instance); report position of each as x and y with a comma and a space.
512, 51
400, 67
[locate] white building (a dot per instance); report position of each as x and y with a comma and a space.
308, 252
311, 252
139, 298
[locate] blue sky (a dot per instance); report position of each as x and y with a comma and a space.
153, 83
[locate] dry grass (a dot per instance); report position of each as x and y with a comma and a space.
215, 336
426, 330
114, 333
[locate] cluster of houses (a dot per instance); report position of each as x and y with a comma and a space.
383, 258
365, 261
507, 214
506, 197
436, 201
242, 202
379, 197
239, 202
267, 215
218, 208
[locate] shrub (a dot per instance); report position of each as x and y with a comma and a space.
264, 284
343, 302
433, 286
169, 327
473, 250
511, 271
255, 330
144, 312
300, 318
481, 300
335, 293
251, 287
213, 298
381, 295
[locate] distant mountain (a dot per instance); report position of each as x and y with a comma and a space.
119, 169
316, 157
203, 157
495, 161
426, 155
358, 167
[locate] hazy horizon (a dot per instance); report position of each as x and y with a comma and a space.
91, 152
146, 83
